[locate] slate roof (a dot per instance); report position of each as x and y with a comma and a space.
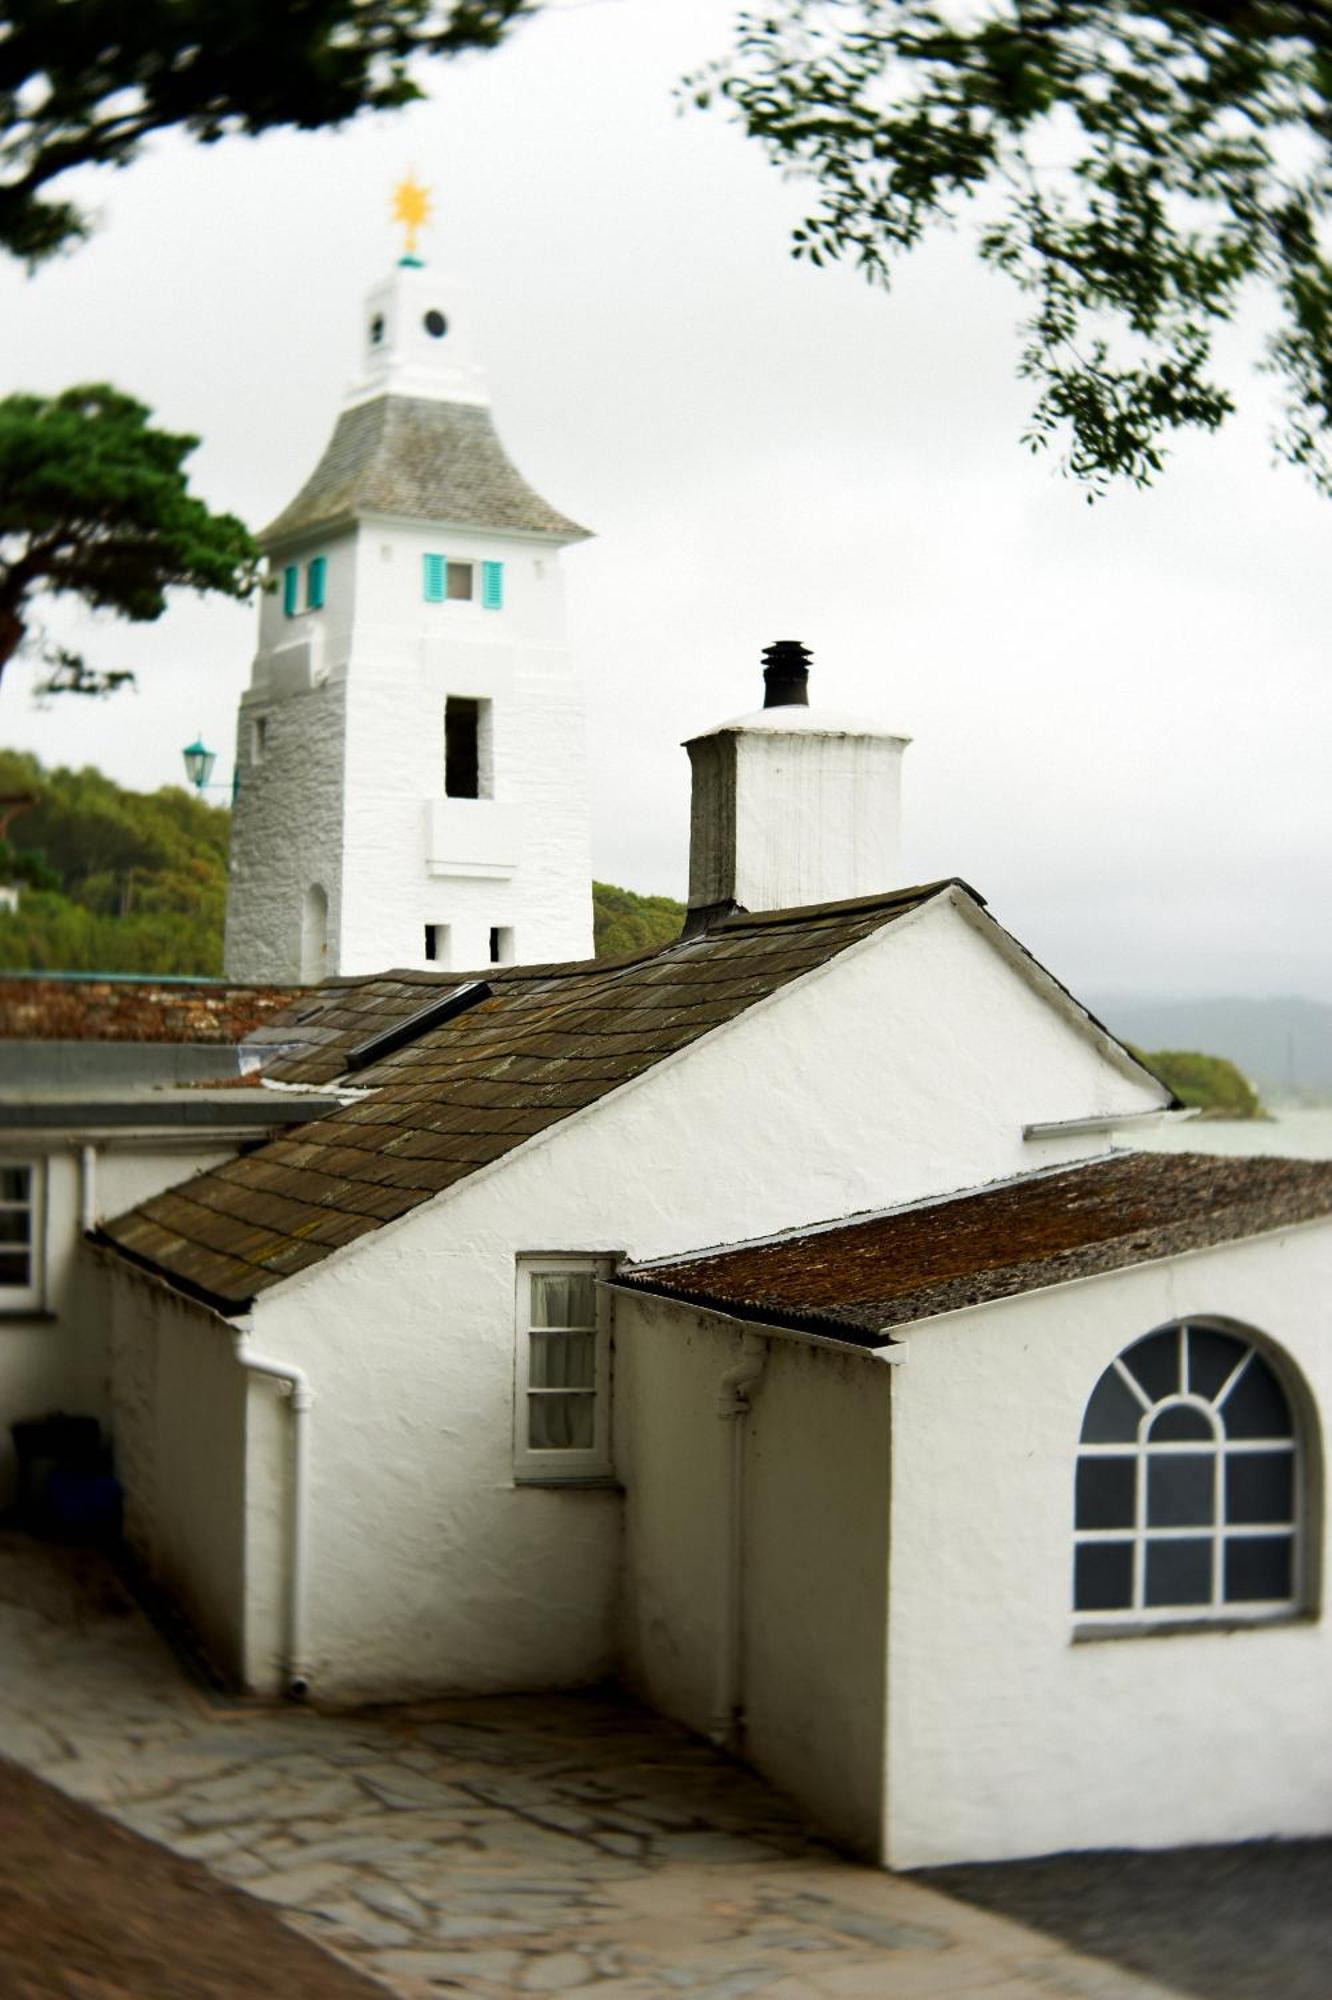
420, 460
860, 1281
547, 1042
135, 1010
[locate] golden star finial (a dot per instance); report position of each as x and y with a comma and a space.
412, 208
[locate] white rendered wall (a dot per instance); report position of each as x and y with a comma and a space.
814, 1594
429, 1568
53, 1355
350, 793
179, 1402
793, 806
1006, 1735
287, 822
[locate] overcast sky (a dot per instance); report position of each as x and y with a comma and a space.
1121, 722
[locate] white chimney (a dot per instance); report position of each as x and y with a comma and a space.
793, 804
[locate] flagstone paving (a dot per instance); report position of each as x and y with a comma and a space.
522, 1845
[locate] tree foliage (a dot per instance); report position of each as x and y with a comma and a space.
120, 881
1138, 169
86, 82
113, 880
1211, 1084
623, 922
94, 504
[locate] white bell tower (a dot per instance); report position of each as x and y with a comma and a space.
411, 771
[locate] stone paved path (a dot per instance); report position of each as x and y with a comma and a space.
497, 1848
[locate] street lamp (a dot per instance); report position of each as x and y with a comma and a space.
199, 762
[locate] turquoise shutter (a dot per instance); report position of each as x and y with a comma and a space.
315, 575
435, 578
492, 586
291, 590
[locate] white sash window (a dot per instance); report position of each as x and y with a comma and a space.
562, 1415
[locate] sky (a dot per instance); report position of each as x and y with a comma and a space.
1122, 735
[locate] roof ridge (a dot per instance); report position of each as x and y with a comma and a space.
805, 912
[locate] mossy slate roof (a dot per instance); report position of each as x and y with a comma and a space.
420, 460
549, 1041
860, 1281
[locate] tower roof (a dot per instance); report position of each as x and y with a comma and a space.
421, 460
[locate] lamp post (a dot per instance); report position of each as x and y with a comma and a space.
199, 762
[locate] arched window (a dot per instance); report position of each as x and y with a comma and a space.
314, 934
1188, 1483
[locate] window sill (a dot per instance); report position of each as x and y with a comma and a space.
589, 1482
35, 1315
1178, 1628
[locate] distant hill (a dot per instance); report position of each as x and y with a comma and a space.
1210, 1084
623, 922
1284, 1046
119, 881
111, 880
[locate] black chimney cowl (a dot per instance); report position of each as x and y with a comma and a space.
786, 674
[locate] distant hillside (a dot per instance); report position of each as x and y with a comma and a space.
623, 922
1209, 1084
121, 881
1284, 1045
113, 881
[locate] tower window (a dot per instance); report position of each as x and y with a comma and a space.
377, 330
441, 579
462, 748
316, 583
435, 324
437, 944
501, 944
258, 739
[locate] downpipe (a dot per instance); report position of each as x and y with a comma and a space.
733, 1405
300, 1398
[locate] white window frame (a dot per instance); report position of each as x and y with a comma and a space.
29, 1297
533, 1465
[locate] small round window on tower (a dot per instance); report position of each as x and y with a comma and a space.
435, 324
376, 329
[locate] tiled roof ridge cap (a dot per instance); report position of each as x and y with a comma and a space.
557, 1008
920, 892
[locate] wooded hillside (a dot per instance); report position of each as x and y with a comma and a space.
121, 881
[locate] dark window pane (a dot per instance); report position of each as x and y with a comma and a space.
13, 1267
461, 750
1155, 1362
564, 1361
14, 1225
1105, 1492
561, 1423
1212, 1357
1260, 1486
1113, 1412
1256, 1407
1259, 1568
1179, 1573
14, 1183
1103, 1576
1181, 1491
1181, 1425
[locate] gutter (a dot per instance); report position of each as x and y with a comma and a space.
295, 1673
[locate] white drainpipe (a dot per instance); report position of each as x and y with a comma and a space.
733, 1394
301, 1397
87, 1188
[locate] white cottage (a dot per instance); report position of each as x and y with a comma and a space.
766, 1319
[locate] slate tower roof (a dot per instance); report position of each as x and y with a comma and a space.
420, 460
